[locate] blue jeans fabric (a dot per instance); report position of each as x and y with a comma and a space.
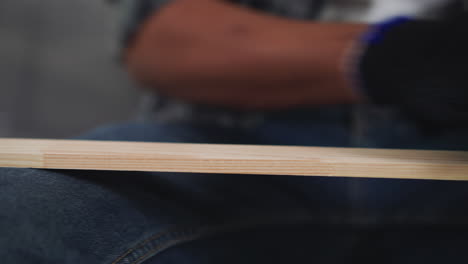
141, 217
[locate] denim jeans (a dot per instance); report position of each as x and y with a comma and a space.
64, 216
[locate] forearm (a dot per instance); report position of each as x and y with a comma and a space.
245, 59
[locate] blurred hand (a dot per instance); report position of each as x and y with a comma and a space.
217, 53
422, 67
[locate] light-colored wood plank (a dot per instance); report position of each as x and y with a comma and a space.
233, 159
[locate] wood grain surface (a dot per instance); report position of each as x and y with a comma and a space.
233, 159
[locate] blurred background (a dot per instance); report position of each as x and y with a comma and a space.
59, 70
59, 74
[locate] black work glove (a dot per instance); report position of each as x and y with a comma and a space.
422, 68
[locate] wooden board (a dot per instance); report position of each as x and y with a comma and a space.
233, 159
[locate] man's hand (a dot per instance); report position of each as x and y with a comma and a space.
213, 52
421, 67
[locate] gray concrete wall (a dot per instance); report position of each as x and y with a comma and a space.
58, 69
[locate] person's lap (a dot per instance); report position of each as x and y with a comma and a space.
128, 217
99, 217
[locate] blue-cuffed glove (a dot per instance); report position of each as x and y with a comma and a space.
420, 67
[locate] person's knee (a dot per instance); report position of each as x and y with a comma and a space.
160, 132
144, 132
29, 210
60, 216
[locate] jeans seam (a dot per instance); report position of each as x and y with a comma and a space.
169, 233
167, 244
189, 233
166, 239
